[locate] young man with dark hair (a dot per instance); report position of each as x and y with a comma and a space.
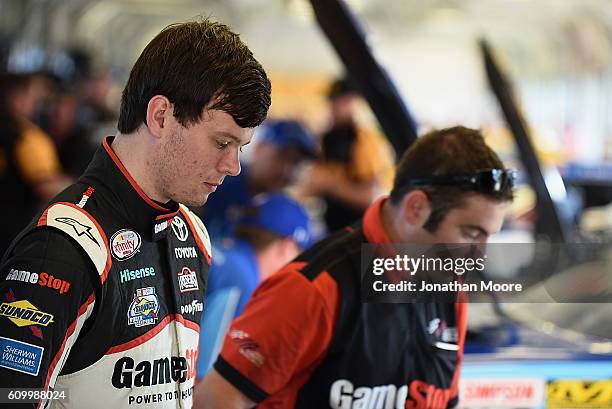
103, 292
305, 340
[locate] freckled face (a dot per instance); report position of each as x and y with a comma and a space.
194, 160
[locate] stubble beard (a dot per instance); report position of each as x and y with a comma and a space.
167, 168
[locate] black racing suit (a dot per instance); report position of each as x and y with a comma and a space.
102, 295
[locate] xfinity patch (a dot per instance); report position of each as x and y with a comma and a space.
124, 244
144, 307
20, 356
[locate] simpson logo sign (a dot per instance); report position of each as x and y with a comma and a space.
124, 244
501, 392
577, 393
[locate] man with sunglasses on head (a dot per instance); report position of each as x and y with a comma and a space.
306, 340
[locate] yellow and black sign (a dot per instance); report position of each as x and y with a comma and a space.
579, 394
23, 314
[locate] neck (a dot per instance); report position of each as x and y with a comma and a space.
266, 262
391, 220
135, 154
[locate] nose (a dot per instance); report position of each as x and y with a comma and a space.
229, 162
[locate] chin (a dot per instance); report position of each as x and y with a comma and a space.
194, 201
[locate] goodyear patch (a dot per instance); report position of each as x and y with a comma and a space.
20, 356
23, 313
577, 393
144, 307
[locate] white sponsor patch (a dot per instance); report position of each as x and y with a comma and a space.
124, 244
501, 392
144, 307
192, 308
188, 281
179, 227
20, 356
159, 227
185, 252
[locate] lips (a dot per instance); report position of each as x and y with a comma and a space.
211, 186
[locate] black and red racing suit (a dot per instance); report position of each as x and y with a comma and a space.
102, 294
319, 346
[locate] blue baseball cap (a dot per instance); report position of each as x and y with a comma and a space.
278, 213
288, 133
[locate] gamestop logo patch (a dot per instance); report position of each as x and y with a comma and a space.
124, 244
419, 395
175, 369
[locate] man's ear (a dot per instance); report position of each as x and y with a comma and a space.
159, 110
416, 208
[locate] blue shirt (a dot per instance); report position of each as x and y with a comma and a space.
232, 278
234, 266
219, 214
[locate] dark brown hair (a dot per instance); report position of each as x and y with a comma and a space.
258, 238
197, 64
446, 152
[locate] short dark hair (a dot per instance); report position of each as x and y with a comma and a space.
446, 152
11, 84
195, 64
258, 238
341, 87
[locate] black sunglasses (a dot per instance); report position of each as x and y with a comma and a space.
486, 181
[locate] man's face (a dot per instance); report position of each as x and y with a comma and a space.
472, 223
273, 168
194, 160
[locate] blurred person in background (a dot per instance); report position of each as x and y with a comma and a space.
93, 111
356, 165
282, 147
271, 231
75, 148
30, 172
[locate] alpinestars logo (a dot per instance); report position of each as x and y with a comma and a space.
80, 228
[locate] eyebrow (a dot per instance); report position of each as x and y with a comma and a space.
481, 229
231, 136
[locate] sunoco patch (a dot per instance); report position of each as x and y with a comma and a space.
144, 307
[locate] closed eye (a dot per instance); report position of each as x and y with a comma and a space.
222, 145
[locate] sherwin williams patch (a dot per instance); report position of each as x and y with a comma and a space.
20, 356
